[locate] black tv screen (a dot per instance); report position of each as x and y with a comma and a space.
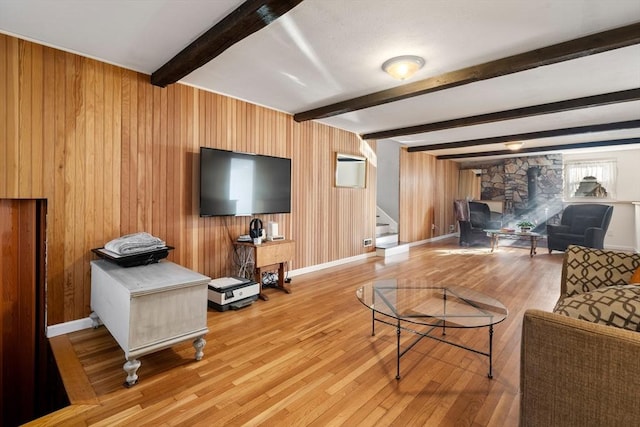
233, 183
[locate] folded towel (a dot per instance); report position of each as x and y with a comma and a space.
134, 243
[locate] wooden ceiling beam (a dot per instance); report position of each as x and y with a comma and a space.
565, 51
629, 124
516, 113
249, 17
547, 149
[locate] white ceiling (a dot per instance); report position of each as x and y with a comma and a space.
325, 51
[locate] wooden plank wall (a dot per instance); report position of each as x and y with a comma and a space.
446, 190
347, 215
114, 155
427, 190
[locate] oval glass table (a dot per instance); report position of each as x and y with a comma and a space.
424, 309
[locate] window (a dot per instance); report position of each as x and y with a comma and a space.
590, 179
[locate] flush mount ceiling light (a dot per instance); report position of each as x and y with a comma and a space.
403, 67
514, 146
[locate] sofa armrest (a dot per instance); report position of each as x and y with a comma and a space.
574, 372
594, 237
465, 226
555, 229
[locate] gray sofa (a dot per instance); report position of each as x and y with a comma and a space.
580, 364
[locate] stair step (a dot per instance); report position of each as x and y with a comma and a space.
386, 238
388, 233
389, 249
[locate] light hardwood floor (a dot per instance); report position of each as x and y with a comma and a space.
308, 358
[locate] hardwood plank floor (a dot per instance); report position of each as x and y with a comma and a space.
308, 358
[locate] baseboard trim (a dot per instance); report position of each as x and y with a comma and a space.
68, 327
619, 248
432, 239
330, 264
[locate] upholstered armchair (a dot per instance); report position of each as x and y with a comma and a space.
473, 218
581, 224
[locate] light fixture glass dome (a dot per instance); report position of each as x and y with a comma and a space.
514, 146
403, 67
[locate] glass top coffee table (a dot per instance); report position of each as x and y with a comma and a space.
425, 309
512, 234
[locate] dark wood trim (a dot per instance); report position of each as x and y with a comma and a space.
249, 17
546, 149
18, 328
40, 304
629, 124
565, 51
517, 113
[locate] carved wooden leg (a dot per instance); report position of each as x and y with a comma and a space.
95, 320
131, 367
199, 345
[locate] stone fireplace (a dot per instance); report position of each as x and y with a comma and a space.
530, 187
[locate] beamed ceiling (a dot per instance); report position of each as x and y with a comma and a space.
556, 75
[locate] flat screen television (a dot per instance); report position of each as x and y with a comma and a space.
233, 183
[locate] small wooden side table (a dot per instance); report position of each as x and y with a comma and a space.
268, 254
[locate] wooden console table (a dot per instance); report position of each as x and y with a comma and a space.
149, 308
268, 254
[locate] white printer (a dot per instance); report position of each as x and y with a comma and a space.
232, 292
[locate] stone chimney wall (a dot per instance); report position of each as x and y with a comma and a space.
506, 180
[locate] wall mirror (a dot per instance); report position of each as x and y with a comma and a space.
351, 171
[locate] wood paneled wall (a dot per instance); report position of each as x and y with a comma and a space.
446, 190
469, 184
114, 155
427, 190
332, 214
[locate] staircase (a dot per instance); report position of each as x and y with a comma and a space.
387, 243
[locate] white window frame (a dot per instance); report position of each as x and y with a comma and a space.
605, 171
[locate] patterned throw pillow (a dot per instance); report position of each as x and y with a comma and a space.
617, 306
586, 269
